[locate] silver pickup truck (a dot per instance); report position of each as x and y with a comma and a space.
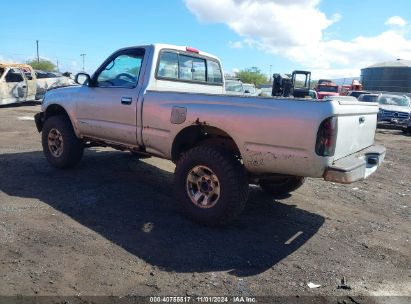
169, 101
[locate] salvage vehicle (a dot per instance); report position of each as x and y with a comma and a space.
219, 143
17, 83
324, 89
394, 110
406, 127
250, 89
357, 94
46, 80
297, 84
234, 87
368, 97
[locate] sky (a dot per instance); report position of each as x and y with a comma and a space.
333, 39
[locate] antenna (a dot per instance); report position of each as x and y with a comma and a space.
83, 55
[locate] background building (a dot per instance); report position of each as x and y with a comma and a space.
391, 76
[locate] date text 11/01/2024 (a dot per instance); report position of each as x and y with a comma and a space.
203, 299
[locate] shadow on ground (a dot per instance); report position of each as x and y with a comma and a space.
20, 104
131, 203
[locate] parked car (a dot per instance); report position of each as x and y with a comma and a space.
219, 143
346, 98
265, 91
356, 94
17, 83
326, 88
234, 87
368, 97
406, 126
47, 80
394, 110
250, 89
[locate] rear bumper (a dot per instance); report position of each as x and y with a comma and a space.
356, 166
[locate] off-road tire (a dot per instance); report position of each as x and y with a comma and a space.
281, 187
232, 181
72, 151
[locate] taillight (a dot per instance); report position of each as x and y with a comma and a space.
326, 137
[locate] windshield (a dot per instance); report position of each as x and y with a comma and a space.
322, 88
233, 87
394, 101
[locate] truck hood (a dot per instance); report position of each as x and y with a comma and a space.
321, 95
63, 90
395, 108
61, 95
327, 94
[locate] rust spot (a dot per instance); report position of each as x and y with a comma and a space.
198, 122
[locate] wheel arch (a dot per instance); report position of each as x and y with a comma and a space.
57, 109
196, 135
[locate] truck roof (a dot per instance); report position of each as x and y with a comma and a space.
17, 65
159, 46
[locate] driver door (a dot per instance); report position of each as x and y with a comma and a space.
15, 87
107, 107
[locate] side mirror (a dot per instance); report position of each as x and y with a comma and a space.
82, 78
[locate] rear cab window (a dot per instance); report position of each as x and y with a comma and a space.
183, 66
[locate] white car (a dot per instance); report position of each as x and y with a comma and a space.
394, 109
47, 80
250, 89
234, 87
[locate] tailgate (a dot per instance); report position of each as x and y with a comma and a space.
357, 122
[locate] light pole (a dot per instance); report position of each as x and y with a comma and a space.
83, 55
38, 57
271, 75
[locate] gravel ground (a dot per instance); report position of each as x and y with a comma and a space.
111, 227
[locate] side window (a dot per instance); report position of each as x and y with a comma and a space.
168, 65
1, 72
214, 74
14, 75
122, 71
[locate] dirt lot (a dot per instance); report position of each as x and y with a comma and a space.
112, 227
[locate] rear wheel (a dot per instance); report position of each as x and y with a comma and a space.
61, 146
282, 185
211, 185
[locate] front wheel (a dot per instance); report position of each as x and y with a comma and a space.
282, 185
211, 185
61, 146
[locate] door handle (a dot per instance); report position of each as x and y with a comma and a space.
126, 100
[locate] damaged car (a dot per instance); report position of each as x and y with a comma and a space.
394, 110
17, 83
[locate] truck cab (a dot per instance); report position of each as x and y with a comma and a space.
169, 102
326, 88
